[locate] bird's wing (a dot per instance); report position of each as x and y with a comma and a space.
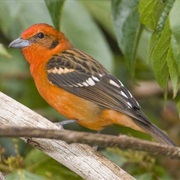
79, 74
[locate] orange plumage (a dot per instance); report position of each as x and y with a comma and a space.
79, 87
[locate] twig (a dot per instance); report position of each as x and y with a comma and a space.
122, 141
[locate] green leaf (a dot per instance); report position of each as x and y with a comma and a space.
173, 71
178, 107
101, 11
159, 56
175, 28
164, 16
153, 13
150, 11
161, 51
4, 52
23, 175
19, 15
143, 49
55, 9
84, 33
127, 27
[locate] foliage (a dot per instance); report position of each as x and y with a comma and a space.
127, 27
144, 30
157, 15
55, 10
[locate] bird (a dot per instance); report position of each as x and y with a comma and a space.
78, 86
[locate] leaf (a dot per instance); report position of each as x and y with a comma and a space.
159, 56
143, 50
55, 9
17, 15
23, 175
82, 30
175, 28
155, 15
178, 107
173, 71
4, 52
101, 11
127, 28
164, 16
150, 11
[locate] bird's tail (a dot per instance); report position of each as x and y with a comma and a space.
156, 133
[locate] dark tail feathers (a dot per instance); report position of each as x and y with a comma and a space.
155, 132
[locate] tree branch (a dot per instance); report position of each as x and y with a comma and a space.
69, 136
82, 159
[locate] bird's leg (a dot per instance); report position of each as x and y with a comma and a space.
95, 147
61, 124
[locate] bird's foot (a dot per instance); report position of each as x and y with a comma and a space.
61, 124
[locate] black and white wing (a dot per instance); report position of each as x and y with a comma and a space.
81, 75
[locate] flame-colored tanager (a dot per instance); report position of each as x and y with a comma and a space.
78, 86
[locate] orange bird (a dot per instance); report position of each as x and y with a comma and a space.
78, 86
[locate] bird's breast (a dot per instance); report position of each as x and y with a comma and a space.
67, 104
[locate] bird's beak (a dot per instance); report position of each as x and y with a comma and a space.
19, 43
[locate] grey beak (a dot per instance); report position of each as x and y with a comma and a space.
19, 43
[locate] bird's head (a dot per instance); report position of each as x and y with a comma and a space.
40, 40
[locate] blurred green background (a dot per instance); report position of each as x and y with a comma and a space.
111, 32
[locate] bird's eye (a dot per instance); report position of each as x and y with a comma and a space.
40, 35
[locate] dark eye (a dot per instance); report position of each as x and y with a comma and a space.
40, 35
